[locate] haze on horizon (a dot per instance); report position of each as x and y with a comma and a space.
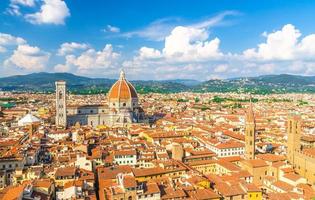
161, 40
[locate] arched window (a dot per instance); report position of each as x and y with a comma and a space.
124, 104
60, 94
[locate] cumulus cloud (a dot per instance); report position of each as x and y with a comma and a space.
284, 44
149, 53
284, 51
185, 44
191, 44
51, 12
91, 61
62, 68
186, 51
30, 58
67, 48
9, 40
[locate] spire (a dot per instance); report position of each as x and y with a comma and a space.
122, 74
250, 117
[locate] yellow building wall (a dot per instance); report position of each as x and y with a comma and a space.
305, 166
254, 196
204, 184
206, 169
147, 137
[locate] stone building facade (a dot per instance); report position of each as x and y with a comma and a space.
122, 109
302, 158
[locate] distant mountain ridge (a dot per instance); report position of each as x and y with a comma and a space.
44, 81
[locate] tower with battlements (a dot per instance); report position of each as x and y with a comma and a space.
294, 136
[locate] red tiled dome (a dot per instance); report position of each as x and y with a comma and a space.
122, 89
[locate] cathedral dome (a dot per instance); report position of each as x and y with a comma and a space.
122, 90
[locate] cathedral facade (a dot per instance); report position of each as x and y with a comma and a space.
122, 109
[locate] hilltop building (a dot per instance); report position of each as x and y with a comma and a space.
122, 109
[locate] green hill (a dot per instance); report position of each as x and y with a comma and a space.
45, 82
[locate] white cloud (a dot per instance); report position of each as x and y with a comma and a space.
13, 10
112, 29
30, 58
306, 48
51, 12
284, 51
14, 6
159, 29
149, 53
267, 68
190, 44
91, 61
214, 21
284, 44
184, 55
67, 48
184, 45
29, 3
9, 40
221, 68
2, 49
155, 31
187, 52
62, 68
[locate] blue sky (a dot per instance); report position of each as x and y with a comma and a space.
157, 39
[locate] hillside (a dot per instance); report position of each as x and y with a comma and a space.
78, 84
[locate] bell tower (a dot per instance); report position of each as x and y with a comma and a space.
61, 110
294, 136
250, 131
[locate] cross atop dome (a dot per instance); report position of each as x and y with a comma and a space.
122, 74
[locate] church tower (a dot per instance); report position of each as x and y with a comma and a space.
250, 131
61, 112
294, 136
